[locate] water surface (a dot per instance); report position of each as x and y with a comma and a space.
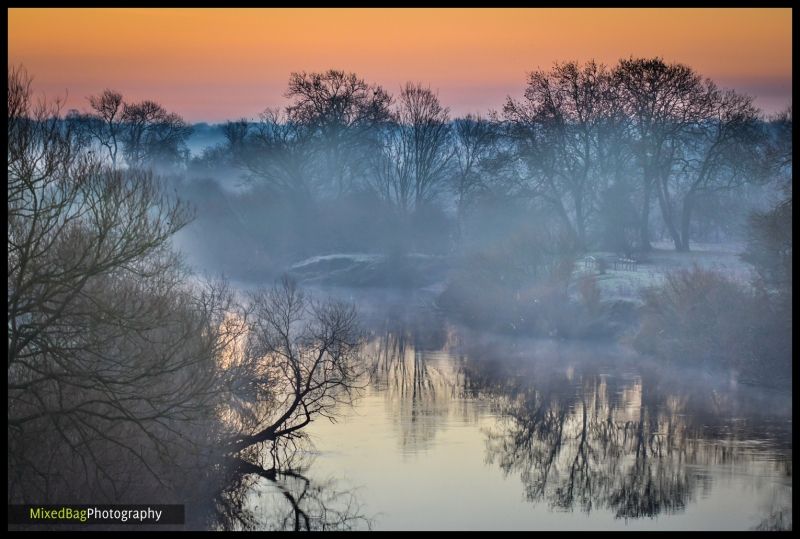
462, 430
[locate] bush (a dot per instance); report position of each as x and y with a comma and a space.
769, 246
519, 285
701, 317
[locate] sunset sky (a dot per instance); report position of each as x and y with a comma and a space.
217, 64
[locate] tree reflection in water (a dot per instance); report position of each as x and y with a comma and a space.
582, 427
262, 499
582, 452
408, 362
598, 432
580, 438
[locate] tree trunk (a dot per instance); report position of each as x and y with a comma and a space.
460, 223
562, 212
666, 213
644, 232
580, 223
686, 220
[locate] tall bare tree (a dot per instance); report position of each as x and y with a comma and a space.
475, 139
343, 112
111, 358
417, 156
153, 135
560, 122
722, 151
108, 121
660, 101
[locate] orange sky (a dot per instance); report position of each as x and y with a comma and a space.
215, 64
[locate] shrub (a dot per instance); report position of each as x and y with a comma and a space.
519, 285
701, 317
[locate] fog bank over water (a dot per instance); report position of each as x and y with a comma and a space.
365, 309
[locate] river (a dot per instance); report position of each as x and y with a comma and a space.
462, 430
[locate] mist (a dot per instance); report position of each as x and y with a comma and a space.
588, 290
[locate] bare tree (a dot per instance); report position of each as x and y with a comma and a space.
769, 233
560, 122
153, 135
475, 139
769, 246
108, 121
391, 174
779, 147
660, 101
306, 351
235, 134
278, 156
417, 150
344, 113
335, 99
722, 151
111, 357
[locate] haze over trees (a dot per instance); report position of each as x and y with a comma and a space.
117, 346
124, 374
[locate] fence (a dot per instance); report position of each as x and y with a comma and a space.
627, 264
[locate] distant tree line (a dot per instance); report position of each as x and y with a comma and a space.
597, 148
607, 153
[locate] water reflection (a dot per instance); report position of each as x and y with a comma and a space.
582, 428
455, 425
408, 363
288, 500
582, 449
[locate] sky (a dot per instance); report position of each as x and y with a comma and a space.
214, 64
